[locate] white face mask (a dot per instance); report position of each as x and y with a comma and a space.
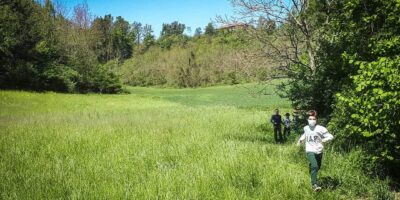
312, 122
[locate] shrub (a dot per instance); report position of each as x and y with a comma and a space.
60, 78
368, 113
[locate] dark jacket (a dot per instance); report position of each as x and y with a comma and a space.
276, 120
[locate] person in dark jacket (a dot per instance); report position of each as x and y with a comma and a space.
276, 120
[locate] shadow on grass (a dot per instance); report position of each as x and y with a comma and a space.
328, 182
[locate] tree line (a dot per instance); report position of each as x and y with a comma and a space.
43, 49
214, 57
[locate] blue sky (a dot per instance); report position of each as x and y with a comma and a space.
193, 13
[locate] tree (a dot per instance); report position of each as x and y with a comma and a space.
25, 44
137, 29
198, 32
149, 38
102, 28
175, 28
298, 31
122, 39
172, 34
292, 40
209, 30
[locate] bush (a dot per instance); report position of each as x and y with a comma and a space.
60, 78
102, 80
368, 113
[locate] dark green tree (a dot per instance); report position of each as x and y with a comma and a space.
209, 30
26, 43
122, 39
175, 28
149, 38
102, 28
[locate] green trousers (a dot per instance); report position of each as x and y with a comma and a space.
315, 164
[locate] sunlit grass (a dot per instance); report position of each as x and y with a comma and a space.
207, 143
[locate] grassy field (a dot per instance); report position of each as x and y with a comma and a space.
206, 143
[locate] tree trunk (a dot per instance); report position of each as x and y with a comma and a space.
311, 57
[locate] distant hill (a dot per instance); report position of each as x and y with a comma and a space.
223, 58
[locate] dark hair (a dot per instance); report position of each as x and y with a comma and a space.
287, 114
312, 113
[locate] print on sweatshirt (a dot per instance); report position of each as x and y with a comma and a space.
314, 138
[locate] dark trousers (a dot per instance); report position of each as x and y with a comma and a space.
315, 164
286, 132
278, 131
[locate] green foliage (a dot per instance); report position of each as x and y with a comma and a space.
365, 22
60, 78
148, 38
42, 50
20, 41
102, 29
175, 28
209, 29
122, 39
112, 39
372, 111
166, 42
355, 84
179, 61
370, 104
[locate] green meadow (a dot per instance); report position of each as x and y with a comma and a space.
155, 143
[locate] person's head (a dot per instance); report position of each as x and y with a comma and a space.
287, 115
277, 111
312, 118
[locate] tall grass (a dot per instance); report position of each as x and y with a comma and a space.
208, 143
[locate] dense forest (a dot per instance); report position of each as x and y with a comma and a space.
341, 58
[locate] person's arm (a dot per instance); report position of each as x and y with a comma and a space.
272, 120
301, 139
326, 136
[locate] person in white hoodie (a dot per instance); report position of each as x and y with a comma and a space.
314, 136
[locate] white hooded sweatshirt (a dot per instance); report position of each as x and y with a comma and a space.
314, 137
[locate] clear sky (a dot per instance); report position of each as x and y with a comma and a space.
193, 13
